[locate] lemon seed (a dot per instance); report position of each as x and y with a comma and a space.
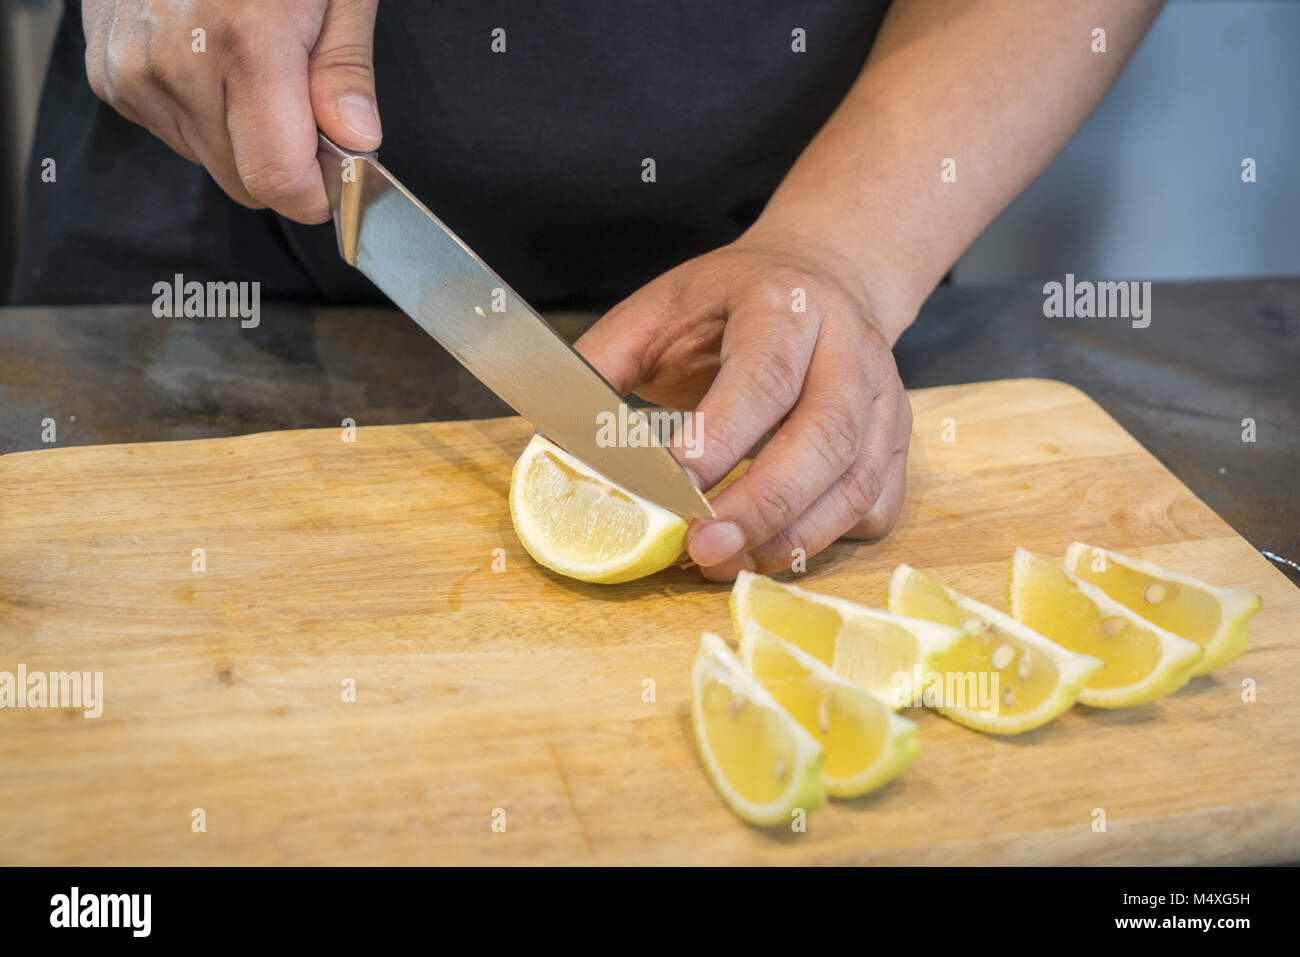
1155, 594
1008, 696
1026, 666
733, 709
824, 714
1003, 656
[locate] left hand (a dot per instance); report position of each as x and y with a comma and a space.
720, 334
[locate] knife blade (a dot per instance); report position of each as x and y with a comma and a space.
437, 280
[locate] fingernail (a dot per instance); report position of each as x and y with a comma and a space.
695, 479
360, 115
717, 542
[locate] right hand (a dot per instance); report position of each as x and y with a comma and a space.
247, 109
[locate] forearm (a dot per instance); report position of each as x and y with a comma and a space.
997, 86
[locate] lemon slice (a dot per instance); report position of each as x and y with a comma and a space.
1143, 661
883, 653
1214, 618
578, 523
1002, 677
866, 744
761, 761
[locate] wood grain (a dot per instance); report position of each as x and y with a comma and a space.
520, 690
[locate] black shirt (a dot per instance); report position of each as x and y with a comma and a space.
533, 156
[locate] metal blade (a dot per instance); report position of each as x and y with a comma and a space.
456, 298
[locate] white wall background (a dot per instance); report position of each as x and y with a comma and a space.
1151, 187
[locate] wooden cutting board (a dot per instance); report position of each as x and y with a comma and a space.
487, 695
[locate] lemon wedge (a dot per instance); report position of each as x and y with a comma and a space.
880, 651
1214, 618
1143, 661
1002, 677
578, 523
762, 763
866, 744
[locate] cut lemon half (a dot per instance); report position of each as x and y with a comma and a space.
1143, 661
1214, 618
761, 761
1002, 677
578, 523
866, 744
883, 653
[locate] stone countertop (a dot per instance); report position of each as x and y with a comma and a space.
1214, 354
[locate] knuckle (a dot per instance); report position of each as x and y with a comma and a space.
836, 435
781, 282
876, 524
95, 75
861, 486
352, 58
126, 69
239, 43
775, 502
774, 377
904, 415
272, 181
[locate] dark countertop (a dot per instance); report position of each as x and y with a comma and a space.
1214, 354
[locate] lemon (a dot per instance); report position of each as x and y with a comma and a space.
1143, 661
1002, 677
866, 744
761, 761
578, 523
1214, 618
879, 651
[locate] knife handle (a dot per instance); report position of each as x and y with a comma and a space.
343, 172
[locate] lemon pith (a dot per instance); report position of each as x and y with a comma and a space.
1213, 617
579, 524
1037, 679
866, 744
762, 762
1143, 661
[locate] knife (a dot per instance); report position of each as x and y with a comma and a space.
437, 280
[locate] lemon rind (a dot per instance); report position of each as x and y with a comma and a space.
715, 661
1073, 669
1174, 668
1228, 642
657, 549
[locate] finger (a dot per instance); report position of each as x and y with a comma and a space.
765, 357
836, 514
879, 520
818, 443
618, 345
830, 516
342, 75
272, 129
127, 73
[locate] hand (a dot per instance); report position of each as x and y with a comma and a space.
246, 108
720, 334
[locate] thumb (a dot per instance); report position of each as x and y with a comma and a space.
342, 75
